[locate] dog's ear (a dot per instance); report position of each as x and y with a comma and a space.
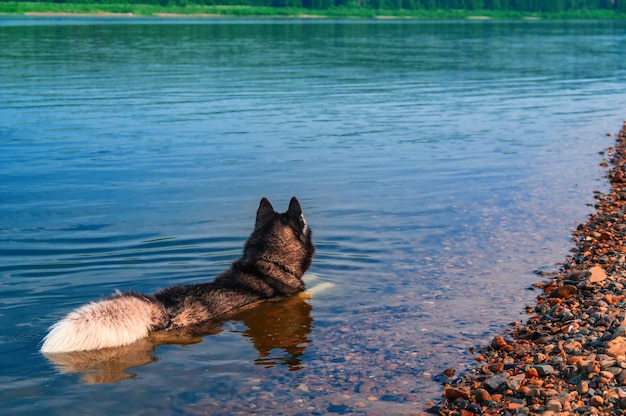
265, 210
295, 210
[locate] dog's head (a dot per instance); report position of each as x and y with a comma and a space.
283, 239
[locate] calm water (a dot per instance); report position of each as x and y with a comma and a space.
438, 164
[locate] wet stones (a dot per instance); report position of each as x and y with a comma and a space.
570, 355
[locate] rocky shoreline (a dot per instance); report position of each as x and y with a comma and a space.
570, 355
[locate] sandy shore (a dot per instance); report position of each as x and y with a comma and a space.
570, 356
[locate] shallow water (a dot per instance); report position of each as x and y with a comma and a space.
438, 163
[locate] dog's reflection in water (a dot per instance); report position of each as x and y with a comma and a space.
275, 325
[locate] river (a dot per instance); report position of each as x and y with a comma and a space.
439, 165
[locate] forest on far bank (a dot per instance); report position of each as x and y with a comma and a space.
531, 6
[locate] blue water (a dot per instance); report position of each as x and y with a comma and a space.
438, 163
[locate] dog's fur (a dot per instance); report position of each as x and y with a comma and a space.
277, 254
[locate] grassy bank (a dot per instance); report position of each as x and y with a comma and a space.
32, 8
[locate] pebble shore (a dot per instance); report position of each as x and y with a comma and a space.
570, 355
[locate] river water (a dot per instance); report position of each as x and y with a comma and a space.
439, 165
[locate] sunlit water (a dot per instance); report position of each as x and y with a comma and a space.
438, 164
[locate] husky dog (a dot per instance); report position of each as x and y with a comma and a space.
277, 254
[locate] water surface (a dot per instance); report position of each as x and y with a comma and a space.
438, 163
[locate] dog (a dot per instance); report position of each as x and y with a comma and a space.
278, 329
275, 257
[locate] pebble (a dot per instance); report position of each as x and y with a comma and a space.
570, 355
543, 369
338, 408
596, 401
532, 373
452, 393
554, 406
481, 395
563, 292
303, 387
621, 378
583, 387
597, 274
366, 387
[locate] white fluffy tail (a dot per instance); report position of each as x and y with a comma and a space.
116, 321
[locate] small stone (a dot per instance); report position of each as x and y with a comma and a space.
496, 367
449, 372
620, 331
397, 398
526, 391
608, 363
499, 343
339, 408
572, 346
567, 406
611, 299
564, 292
621, 378
607, 374
472, 410
550, 392
515, 406
593, 367
554, 405
494, 382
596, 401
481, 395
453, 393
543, 369
514, 382
366, 387
616, 347
532, 373
543, 340
577, 275
606, 321
597, 274
583, 387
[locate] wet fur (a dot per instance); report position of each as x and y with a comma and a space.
275, 257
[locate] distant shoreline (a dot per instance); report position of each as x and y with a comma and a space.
51, 9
